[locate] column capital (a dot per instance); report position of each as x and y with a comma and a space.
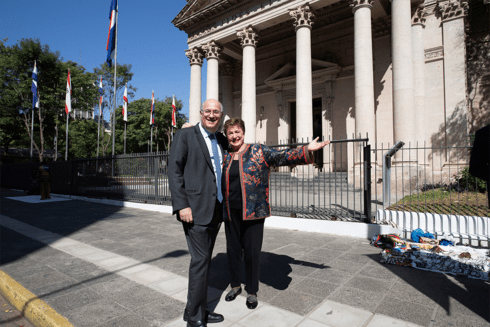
211, 50
195, 56
226, 68
419, 16
452, 9
356, 4
302, 16
248, 36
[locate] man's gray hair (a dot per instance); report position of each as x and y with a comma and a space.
220, 104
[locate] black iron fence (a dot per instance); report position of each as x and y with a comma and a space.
328, 189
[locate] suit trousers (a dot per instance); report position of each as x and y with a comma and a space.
200, 241
244, 236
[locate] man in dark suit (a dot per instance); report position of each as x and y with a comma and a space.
480, 157
194, 173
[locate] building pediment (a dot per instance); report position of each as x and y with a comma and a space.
196, 11
285, 77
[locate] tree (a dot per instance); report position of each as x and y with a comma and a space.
138, 127
82, 136
124, 75
16, 66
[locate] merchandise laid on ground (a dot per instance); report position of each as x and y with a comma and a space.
434, 255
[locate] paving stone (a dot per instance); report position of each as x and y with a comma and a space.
161, 312
338, 315
347, 266
314, 287
296, 302
95, 313
149, 276
270, 316
332, 276
138, 296
115, 286
57, 289
369, 284
72, 300
127, 320
357, 298
407, 311
41, 279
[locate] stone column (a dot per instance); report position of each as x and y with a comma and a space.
248, 40
363, 70
211, 51
226, 70
195, 60
418, 53
403, 93
303, 19
453, 34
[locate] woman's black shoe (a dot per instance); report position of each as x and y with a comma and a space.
233, 294
252, 301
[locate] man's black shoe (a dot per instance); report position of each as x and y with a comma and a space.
196, 324
211, 317
233, 294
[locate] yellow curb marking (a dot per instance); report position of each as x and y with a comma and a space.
35, 310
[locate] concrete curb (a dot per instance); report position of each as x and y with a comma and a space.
32, 308
344, 228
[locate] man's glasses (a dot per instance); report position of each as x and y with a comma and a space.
208, 112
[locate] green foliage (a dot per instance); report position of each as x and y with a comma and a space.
16, 65
470, 182
138, 129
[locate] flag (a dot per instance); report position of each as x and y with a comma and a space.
68, 94
35, 93
101, 92
174, 121
111, 37
152, 115
125, 104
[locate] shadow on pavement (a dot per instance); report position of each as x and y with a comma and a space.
453, 294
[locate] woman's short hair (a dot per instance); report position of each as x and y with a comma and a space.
234, 122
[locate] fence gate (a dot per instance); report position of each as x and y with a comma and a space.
336, 187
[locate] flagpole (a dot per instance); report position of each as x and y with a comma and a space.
98, 129
151, 142
125, 137
114, 111
66, 146
32, 130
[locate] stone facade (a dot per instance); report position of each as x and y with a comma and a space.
394, 70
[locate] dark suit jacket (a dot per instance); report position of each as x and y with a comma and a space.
191, 176
480, 154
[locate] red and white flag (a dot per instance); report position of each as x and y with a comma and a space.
101, 92
174, 113
152, 115
68, 94
125, 104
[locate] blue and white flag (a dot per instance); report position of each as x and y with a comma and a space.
35, 94
111, 37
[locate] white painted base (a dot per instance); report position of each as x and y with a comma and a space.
471, 230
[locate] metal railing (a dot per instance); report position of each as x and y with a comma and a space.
431, 189
330, 188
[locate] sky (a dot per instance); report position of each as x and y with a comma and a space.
78, 30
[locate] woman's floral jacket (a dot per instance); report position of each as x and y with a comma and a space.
254, 163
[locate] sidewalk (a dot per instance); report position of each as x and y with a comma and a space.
101, 265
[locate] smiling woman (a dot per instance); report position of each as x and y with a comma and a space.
246, 201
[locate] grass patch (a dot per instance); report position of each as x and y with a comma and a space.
445, 202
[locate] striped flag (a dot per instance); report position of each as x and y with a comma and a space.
152, 115
35, 93
101, 92
68, 94
111, 37
174, 121
125, 104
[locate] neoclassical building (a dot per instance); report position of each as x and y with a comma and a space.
396, 70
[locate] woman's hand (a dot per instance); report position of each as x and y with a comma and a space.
314, 145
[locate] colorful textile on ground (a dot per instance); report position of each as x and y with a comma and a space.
456, 260
418, 233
